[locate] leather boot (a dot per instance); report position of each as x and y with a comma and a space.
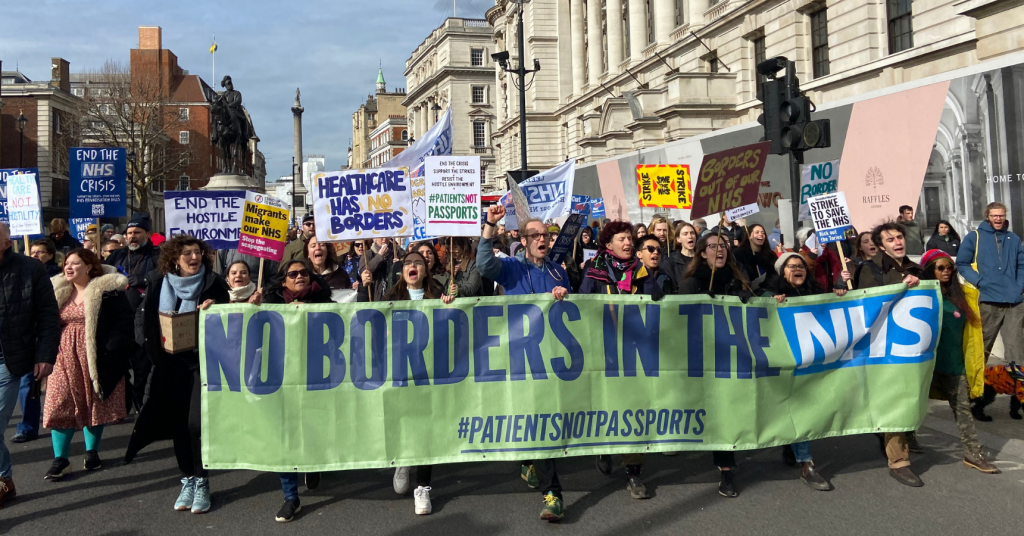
7, 491
977, 461
813, 479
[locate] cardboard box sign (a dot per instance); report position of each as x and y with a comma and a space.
179, 332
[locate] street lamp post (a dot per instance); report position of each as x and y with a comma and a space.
521, 70
131, 183
436, 109
22, 121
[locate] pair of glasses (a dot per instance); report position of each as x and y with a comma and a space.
295, 274
944, 268
714, 247
187, 254
795, 267
415, 263
535, 236
651, 249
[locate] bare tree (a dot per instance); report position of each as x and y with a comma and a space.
120, 110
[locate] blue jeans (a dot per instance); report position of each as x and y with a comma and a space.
8, 399
30, 407
802, 451
290, 485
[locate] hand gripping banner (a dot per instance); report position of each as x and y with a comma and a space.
345, 386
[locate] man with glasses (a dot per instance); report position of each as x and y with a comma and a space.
892, 267
533, 274
295, 248
992, 259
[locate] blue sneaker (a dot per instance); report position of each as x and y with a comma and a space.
187, 495
201, 503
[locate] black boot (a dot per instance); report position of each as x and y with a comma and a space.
636, 487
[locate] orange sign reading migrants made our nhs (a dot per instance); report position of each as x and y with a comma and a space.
663, 186
729, 179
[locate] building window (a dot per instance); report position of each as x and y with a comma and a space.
157, 186
478, 94
476, 57
101, 92
183, 137
819, 42
405, 135
650, 22
78, 91
680, 9
56, 122
106, 109
760, 54
479, 134
182, 114
183, 183
712, 62
901, 31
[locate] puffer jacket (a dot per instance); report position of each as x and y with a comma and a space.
1000, 256
29, 318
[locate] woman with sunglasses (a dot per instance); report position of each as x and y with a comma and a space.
792, 279
415, 284
183, 282
299, 285
714, 257
959, 368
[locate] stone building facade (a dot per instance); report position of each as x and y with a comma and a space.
387, 140
378, 107
690, 64
453, 67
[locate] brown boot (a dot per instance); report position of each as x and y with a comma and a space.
978, 461
7, 491
905, 476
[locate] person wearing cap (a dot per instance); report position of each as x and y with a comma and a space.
295, 248
134, 261
792, 279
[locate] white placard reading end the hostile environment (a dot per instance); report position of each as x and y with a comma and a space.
453, 195
830, 215
23, 208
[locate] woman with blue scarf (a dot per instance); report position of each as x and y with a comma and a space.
183, 282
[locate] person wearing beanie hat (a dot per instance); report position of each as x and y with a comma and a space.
295, 248
959, 373
107, 231
794, 280
140, 220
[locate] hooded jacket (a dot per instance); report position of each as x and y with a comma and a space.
947, 244
518, 275
29, 318
109, 338
1000, 257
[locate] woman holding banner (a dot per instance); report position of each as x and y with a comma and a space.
466, 278
324, 263
415, 284
754, 257
183, 282
241, 287
713, 272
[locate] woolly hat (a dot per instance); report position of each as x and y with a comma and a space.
932, 255
105, 227
141, 221
780, 264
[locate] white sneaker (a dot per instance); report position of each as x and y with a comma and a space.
422, 499
401, 481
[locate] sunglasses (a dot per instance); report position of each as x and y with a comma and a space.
651, 249
295, 274
944, 268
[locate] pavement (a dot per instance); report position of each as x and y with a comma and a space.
490, 498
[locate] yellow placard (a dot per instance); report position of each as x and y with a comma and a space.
664, 186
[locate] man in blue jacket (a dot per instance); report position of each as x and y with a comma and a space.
1000, 277
531, 274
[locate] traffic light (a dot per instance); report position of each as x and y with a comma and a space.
787, 112
772, 95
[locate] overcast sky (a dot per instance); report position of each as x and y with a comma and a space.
329, 48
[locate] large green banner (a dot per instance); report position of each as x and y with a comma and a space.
346, 386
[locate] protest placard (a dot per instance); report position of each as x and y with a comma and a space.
362, 204
437, 141
79, 226
97, 182
664, 185
742, 212
517, 207
729, 179
23, 207
264, 232
589, 254
830, 215
566, 240
597, 207
453, 195
4, 175
547, 194
817, 179
214, 217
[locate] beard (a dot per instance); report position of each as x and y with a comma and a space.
132, 246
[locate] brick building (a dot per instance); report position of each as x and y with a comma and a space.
365, 120
387, 140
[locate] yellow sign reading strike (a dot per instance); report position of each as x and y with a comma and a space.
664, 186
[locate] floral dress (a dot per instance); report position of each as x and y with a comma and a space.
71, 402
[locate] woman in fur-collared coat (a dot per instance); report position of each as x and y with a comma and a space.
86, 389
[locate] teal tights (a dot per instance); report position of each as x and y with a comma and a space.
62, 439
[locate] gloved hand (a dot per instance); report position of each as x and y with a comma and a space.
745, 295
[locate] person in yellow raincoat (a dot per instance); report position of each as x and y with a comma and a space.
959, 354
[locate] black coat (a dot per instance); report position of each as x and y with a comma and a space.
135, 265
675, 265
66, 243
169, 390
29, 318
110, 341
937, 242
776, 284
755, 264
275, 294
725, 283
51, 268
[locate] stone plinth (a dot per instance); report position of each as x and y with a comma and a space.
231, 181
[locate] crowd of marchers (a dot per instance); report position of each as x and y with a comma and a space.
81, 340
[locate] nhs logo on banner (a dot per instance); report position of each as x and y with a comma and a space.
97, 182
889, 329
98, 170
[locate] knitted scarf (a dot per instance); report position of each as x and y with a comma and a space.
242, 294
186, 289
301, 295
606, 268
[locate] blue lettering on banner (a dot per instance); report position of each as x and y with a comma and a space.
214, 217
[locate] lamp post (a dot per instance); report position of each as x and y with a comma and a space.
22, 121
131, 183
521, 70
435, 109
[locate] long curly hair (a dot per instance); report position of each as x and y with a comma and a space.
170, 251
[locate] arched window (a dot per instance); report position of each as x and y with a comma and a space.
405, 135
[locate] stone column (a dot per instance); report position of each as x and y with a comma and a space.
614, 35
664, 20
637, 29
578, 54
298, 209
595, 48
695, 15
